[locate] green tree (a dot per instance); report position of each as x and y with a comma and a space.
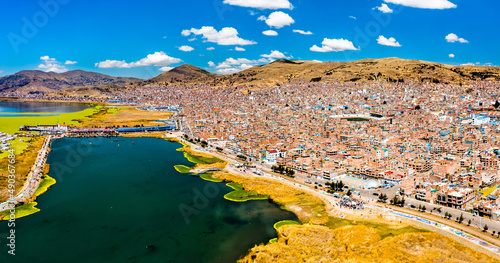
485, 228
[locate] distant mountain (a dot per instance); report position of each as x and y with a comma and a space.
33, 81
284, 71
184, 74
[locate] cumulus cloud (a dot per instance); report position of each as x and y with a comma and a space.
452, 38
451, 55
279, 19
336, 45
425, 4
69, 62
261, 4
384, 8
159, 59
231, 65
468, 64
275, 54
302, 32
391, 42
239, 49
270, 33
186, 48
210, 48
165, 69
51, 65
226, 36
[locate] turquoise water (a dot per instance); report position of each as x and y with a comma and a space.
123, 204
20, 108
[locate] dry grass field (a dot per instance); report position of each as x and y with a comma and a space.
125, 117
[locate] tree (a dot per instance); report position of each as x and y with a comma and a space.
461, 218
493, 233
424, 208
485, 228
349, 193
469, 222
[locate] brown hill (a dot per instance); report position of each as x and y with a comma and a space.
184, 74
39, 81
284, 71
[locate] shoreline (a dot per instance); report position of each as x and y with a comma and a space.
192, 154
353, 215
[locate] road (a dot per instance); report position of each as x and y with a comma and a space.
34, 177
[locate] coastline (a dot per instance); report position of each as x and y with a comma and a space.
312, 208
380, 227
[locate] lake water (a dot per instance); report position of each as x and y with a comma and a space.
21, 108
123, 204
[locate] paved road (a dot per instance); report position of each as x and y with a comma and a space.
34, 178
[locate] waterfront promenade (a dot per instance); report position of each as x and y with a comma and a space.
34, 178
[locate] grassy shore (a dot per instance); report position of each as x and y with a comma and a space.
45, 185
182, 169
22, 211
240, 195
285, 223
209, 177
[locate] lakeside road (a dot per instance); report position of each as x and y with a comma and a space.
33, 180
330, 202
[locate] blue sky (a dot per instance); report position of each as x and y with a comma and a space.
144, 38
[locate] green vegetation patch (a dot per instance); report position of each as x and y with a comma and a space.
240, 195
200, 159
209, 177
45, 185
24, 210
357, 119
182, 169
284, 223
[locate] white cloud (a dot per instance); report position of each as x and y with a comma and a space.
452, 38
274, 54
239, 49
262, 18
384, 8
69, 62
226, 36
468, 64
279, 19
192, 39
353, 17
231, 65
261, 4
210, 48
302, 32
425, 4
51, 65
186, 48
336, 45
165, 69
451, 55
270, 33
159, 59
391, 42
